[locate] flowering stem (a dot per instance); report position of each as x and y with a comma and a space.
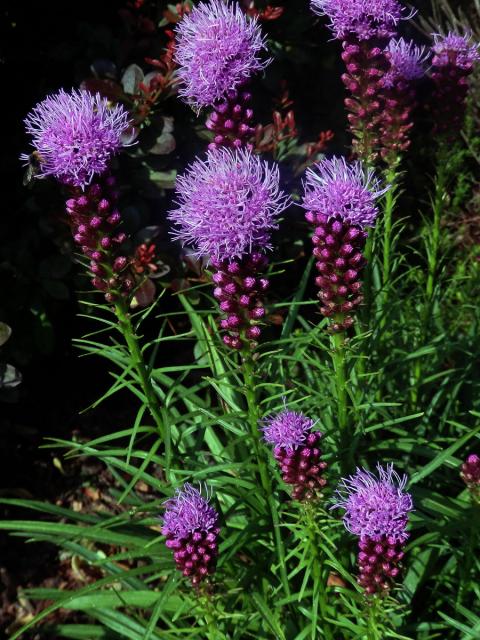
338, 354
373, 632
253, 419
131, 338
390, 198
319, 581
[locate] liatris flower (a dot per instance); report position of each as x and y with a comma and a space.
364, 26
228, 205
75, 135
376, 510
296, 451
340, 202
190, 525
454, 57
406, 66
470, 474
218, 50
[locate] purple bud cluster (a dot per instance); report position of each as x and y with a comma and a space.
379, 563
190, 525
239, 287
95, 224
406, 65
338, 248
454, 58
366, 65
231, 121
470, 474
376, 510
296, 449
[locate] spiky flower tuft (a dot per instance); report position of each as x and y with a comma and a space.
375, 507
75, 135
228, 204
190, 525
335, 188
218, 49
287, 429
406, 62
188, 512
455, 50
364, 19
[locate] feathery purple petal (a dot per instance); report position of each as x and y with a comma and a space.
364, 19
334, 188
228, 204
456, 50
76, 134
188, 512
406, 62
218, 49
375, 506
287, 429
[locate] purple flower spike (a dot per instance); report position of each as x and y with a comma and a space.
470, 474
348, 191
228, 205
75, 135
454, 57
365, 19
217, 51
407, 62
340, 202
190, 525
376, 510
297, 452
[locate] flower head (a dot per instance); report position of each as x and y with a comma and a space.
217, 50
406, 62
348, 190
76, 134
287, 429
375, 507
228, 204
365, 19
455, 50
470, 472
188, 512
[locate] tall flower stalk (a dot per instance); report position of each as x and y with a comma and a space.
228, 205
454, 59
364, 28
340, 200
75, 136
218, 50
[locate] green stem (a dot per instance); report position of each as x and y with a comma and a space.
373, 632
319, 580
131, 338
253, 420
390, 178
338, 353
